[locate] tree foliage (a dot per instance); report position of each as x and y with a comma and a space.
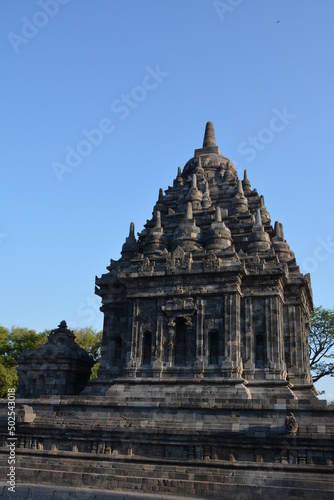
91, 341
321, 343
17, 340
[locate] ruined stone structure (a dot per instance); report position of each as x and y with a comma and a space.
204, 387
58, 367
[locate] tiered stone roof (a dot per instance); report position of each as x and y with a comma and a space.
212, 214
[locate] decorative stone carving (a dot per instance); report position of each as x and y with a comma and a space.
146, 267
179, 304
177, 261
212, 262
291, 424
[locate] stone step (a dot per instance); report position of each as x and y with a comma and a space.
214, 481
200, 472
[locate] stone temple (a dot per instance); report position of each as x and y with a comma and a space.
204, 388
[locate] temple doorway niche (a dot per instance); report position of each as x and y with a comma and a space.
147, 348
185, 346
259, 351
180, 342
118, 352
259, 329
213, 347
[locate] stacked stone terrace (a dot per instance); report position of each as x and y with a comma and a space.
209, 288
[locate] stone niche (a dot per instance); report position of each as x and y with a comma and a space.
58, 367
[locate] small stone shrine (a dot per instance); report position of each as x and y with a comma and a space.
204, 388
58, 367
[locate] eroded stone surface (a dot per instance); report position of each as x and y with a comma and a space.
60, 366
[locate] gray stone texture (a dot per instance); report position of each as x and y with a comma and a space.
204, 388
58, 367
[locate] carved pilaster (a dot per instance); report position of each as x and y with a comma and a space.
248, 358
200, 329
107, 349
232, 366
159, 336
171, 341
133, 354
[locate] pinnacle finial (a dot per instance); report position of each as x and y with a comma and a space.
278, 230
189, 215
246, 184
239, 187
132, 229
209, 136
178, 171
218, 214
194, 181
258, 220
158, 219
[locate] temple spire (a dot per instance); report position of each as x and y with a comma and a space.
246, 184
158, 219
189, 214
130, 246
239, 187
209, 136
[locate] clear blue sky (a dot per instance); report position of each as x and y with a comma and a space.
150, 74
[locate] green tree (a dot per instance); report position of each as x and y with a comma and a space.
95, 367
8, 379
321, 343
90, 340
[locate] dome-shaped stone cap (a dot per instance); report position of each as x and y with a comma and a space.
259, 239
60, 344
218, 235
